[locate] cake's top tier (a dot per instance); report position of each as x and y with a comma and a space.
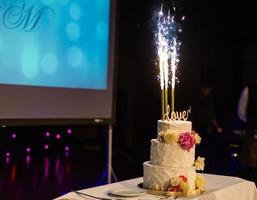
173, 132
176, 127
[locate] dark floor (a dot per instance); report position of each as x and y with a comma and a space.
47, 175
71, 161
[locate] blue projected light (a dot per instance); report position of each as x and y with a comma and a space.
54, 43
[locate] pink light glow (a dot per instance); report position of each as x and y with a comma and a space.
46, 167
13, 136
28, 150
27, 159
58, 136
47, 134
67, 148
7, 154
69, 131
46, 146
7, 160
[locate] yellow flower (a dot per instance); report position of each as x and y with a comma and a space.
200, 183
197, 137
170, 137
199, 163
154, 187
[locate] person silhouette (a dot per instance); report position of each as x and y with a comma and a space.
247, 112
206, 124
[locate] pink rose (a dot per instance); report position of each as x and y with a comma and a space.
186, 141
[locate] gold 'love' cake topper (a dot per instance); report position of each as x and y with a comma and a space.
177, 115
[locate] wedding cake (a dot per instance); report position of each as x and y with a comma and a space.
172, 166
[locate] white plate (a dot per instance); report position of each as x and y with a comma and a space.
125, 192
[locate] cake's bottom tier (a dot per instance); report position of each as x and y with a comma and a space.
158, 176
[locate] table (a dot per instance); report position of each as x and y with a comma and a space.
218, 188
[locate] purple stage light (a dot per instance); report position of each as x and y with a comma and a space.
47, 134
7, 160
14, 136
67, 148
58, 136
27, 159
28, 150
7, 154
69, 131
46, 167
46, 146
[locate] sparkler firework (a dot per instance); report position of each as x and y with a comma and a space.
167, 48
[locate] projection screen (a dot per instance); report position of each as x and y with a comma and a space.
56, 61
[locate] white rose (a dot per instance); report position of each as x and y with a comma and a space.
199, 163
174, 181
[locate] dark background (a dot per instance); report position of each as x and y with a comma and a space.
218, 46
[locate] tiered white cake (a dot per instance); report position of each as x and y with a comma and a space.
172, 166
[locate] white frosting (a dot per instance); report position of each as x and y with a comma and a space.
160, 176
175, 126
169, 160
172, 155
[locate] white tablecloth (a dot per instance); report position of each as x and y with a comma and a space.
218, 188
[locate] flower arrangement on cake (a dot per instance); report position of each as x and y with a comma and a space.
172, 168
